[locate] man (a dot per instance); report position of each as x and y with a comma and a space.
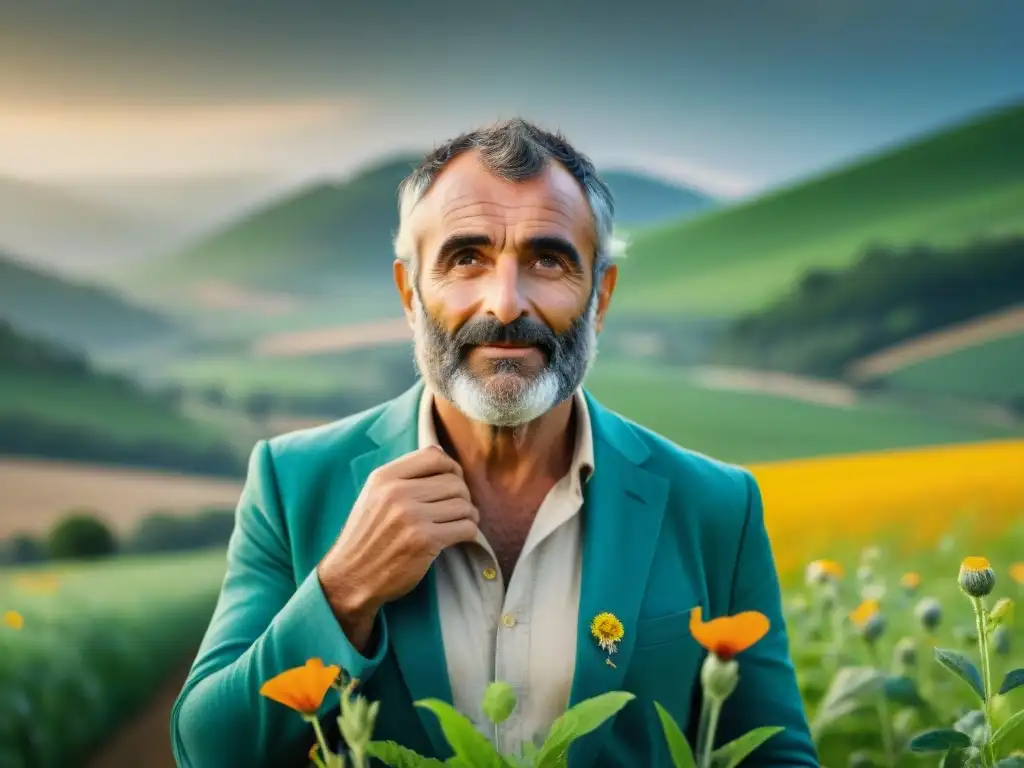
472, 528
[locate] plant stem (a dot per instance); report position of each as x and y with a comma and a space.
885, 720
981, 623
713, 710
321, 739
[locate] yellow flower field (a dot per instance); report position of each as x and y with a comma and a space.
917, 496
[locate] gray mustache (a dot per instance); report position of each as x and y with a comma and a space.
522, 330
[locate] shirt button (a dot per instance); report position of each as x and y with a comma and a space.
508, 620
490, 574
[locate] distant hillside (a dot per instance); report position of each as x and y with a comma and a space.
335, 238
55, 227
54, 405
643, 200
323, 239
943, 189
77, 314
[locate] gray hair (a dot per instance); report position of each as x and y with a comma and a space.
514, 150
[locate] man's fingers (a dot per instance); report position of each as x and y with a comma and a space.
448, 510
424, 462
456, 532
439, 488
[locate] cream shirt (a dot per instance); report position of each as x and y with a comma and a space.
524, 635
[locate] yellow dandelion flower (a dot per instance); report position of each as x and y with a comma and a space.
976, 577
1017, 572
910, 581
14, 620
608, 631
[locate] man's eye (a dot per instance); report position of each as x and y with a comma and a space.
464, 259
547, 261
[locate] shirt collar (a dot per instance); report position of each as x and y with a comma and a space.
583, 452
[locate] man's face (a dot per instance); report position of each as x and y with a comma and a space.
504, 304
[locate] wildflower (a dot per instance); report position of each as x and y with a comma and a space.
905, 653
823, 571
14, 620
729, 635
929, 612
1017, 573
1001, 640
302, 688
977, 578
865, 573
910, 582
870, 555
608, 631
1001, 613
867, 618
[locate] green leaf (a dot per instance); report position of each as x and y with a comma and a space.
1014, 679
578, 721
848, 686
732, 754
962, 668
395, 755
1010, 762
499, 702
939, 741
678, 748
468, 744
955, 758
1015, 721
902, 690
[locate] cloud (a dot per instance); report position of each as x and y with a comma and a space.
713, 181
53, 139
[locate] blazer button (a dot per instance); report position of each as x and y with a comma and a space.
508, 620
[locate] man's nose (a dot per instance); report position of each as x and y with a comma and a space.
504, 299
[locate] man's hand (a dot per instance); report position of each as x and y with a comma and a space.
407, 512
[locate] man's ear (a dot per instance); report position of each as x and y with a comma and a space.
605, 289
404, 278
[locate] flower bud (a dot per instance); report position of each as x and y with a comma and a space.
910, 582
499, 702
1001, 640
976, 578
1001, 613
905, 653
822, 572
719, 678
868, 620
357, 719
929, 612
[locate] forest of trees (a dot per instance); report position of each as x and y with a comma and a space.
888, 295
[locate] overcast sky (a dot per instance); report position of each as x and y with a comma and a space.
730, 95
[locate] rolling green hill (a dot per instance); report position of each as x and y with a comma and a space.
942, 189
992, 371
76, 314
53, 404
334, 240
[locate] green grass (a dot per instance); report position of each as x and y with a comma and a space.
963, 183
749, 427
92, 652
97, 406
993, 370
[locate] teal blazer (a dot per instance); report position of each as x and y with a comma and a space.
665, 530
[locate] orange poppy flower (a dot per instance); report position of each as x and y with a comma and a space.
302, 688
728, 635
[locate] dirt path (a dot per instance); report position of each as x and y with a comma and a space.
1005, 322
146, 739
775, 383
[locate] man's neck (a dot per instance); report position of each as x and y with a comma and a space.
509, 458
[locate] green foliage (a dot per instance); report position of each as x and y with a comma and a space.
885, 297
1014, 679
499, 702
736, 751
678, 747
939, 741
944, 189
963, 668
169, 532
81, 535
578, 721
92, 653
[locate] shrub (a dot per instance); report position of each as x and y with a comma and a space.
81, 535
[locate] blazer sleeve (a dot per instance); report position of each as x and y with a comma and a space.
263, 623
767, 693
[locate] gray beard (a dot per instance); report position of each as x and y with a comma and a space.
510, 399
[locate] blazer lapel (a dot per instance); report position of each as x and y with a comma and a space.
622, 516
414, 625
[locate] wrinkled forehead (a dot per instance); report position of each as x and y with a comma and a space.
466, 198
